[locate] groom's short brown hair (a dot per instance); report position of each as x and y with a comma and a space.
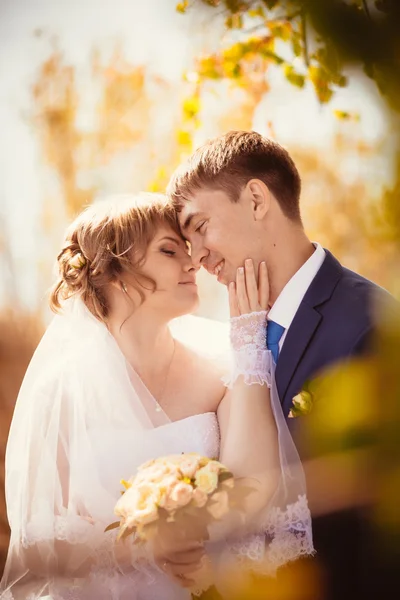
229, 161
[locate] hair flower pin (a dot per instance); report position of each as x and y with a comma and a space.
78, 261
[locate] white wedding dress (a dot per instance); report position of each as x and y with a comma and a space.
198, 433
83, 421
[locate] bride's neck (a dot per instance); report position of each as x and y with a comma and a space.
144, 339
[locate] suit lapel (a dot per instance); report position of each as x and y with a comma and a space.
297, 340
305, 323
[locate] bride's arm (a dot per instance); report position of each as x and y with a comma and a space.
256, 445
249, 436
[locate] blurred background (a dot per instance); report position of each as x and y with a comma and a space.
105, 97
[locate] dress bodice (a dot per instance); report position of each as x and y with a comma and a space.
119, 454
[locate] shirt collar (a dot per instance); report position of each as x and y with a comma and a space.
286, 305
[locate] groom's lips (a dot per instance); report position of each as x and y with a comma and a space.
217, 268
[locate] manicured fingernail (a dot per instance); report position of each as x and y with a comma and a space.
248, 262
241, 271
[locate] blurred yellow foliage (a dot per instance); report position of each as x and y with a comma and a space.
19, 335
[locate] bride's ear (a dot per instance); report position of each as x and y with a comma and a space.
260, 197
119, 285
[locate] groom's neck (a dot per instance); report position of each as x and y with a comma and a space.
286, 255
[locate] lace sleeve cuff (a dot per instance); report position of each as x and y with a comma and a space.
251, 359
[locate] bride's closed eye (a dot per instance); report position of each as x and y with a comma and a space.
168, 252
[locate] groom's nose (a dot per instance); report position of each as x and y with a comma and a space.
199, 254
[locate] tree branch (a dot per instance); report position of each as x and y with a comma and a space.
305, 38
366, 9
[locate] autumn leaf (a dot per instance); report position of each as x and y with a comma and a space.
321, 82
182, 6
293, 77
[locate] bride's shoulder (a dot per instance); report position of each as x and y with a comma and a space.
210, 365
202, 378
205, 357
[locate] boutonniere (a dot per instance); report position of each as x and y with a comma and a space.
302, 403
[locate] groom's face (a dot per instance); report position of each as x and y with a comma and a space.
221, 232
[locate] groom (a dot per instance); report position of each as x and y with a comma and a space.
238, 197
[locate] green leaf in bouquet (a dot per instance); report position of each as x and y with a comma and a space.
124, 533
126, 484
114, 525
224, 476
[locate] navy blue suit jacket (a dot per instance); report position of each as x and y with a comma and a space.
334, 321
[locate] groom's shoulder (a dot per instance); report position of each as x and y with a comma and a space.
354, 283
357, 294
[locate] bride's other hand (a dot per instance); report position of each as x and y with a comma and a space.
180, 560
246, 295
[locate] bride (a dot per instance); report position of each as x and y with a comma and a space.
110, 387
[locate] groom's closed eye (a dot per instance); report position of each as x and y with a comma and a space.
189, 221
200, 227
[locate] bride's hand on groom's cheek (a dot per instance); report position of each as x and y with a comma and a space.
246, 295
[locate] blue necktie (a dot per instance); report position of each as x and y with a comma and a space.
274, 334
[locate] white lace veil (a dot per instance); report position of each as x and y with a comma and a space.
57, 503
53, 488
283, 529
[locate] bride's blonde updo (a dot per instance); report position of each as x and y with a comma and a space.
106, 242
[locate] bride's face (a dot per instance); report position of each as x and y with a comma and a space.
170, 266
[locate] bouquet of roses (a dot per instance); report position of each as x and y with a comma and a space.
188, 491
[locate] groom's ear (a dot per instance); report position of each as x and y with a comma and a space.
260, 198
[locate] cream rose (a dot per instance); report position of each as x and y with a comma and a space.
139, 504
206, 480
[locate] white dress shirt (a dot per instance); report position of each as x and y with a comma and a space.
286, 305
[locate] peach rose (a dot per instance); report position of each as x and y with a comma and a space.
166, 488
215, 466
189, 465
181, 493
199, 498
156, 473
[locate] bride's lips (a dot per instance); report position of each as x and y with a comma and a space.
190, 282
